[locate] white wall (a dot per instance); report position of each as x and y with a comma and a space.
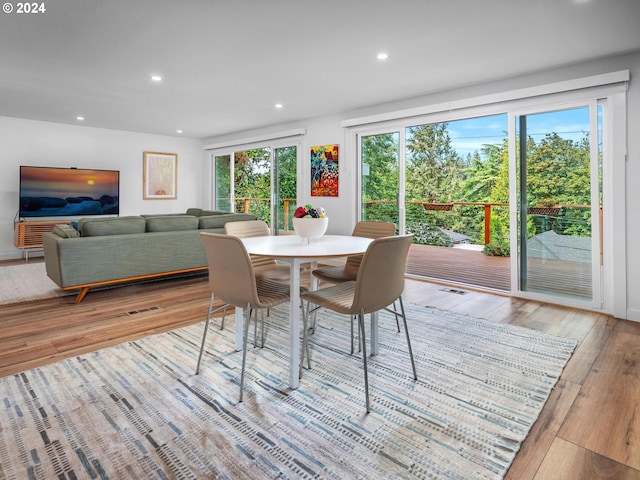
342, 210
27, 142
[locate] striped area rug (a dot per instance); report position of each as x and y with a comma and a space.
137, 410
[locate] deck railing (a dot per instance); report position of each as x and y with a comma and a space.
417, 211
261, 208
487, 209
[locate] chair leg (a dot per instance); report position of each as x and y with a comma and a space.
305, 341
315, 309
406, 330
244, 350
364, 358
224, 315
204, 339
397, 315
315, 318
210, 312
255, 332
352, 335
353, 318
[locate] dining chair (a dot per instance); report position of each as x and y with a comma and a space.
349, 271
232, 280
379, 283
263, 266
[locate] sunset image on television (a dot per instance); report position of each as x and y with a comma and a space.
49, 192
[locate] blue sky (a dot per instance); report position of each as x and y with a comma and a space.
469, 135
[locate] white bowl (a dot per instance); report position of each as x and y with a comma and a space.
310, 227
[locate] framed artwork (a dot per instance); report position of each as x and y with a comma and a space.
160, 176
324, 171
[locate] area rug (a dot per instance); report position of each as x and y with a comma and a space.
26, 282
138, 411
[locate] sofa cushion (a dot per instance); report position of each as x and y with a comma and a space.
171, 223
65, 231
95, 227
218, 221
149, 215
196, 212
206, 213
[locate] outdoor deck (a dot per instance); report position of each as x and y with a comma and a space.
474, 268
460, 266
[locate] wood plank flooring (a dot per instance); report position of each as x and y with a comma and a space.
474, 268
466, 267
589, 428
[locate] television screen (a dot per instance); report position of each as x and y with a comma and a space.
54, 192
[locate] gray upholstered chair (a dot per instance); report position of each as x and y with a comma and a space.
379, 283
349, 271
232, 279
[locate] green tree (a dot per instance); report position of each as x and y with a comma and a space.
558, 172
434, 172
380, 184
499, 193
287, 183
484, 176
434, 168
252, 179
557, 169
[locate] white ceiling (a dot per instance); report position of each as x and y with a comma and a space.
226, 63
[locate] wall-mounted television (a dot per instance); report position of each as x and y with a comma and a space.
61, 192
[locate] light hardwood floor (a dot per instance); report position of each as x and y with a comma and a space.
589, 428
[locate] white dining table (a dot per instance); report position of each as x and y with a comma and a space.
295, 251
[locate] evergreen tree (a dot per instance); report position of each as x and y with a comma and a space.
434, 168
380, 185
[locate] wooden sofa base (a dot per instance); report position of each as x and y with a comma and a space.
84, 289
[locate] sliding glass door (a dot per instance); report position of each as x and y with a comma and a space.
558, 170
261, 181
450, 184
447, 182
543, 190
381, 195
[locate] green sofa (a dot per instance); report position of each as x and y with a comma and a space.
104, 251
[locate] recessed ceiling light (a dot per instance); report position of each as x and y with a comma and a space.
80, 117
156, 78
279, 105
382, 56
178, 131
